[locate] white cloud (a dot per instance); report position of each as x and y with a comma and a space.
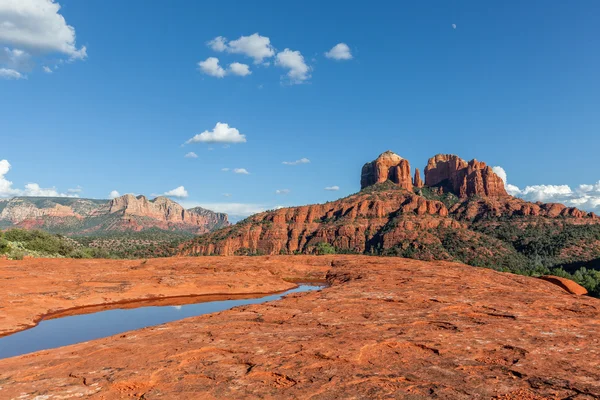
211, 67
225, 169
294, 61
254, 46
242, 171
585, 197
340, 51
282, 191
453, 26
297, 162
218, 44
38, 25
501, 173
16, 59
179, 192
76, 190
114, 194
31, 189
7, 73
221, 133
233, 209
191, 154
47, 70
332, 188
239, 69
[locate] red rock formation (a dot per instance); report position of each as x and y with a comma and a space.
390, 221
566, 284
417, 181
356, 223
387, 167
455, 175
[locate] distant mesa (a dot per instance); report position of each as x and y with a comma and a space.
75, 216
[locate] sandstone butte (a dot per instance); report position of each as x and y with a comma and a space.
384, 328
395, 211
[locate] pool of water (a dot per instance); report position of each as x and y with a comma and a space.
52, 333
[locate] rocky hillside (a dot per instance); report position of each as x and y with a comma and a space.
73, 216
461, 212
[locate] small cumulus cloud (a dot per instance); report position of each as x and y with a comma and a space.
254, 46
340, 51
241, 171
239, 69
179, 192
332, 188
453, 26
282, 191
7, 73
47, 69
211, 67
191, 154
113, 195
298, 70
297, 162
221, 133
225, 169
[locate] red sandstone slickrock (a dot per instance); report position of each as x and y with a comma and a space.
385, 328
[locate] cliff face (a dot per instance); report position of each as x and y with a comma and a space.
465, 179
461, 213
128, 212
366, 222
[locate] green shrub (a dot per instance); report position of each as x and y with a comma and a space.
325, 248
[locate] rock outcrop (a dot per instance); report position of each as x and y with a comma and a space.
388, 166
567, 284
417, 181
464, 179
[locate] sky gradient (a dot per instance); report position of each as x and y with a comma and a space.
114, 103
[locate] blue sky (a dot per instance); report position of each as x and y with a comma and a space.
512, 83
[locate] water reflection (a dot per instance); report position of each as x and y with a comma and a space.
52, 333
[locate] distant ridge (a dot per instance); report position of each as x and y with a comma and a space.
77, 216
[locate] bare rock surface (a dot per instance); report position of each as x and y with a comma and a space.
567, 284
385, 328
32, 288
